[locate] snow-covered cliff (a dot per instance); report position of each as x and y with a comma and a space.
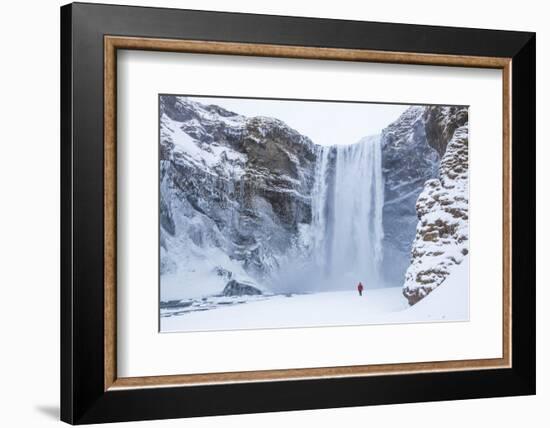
234, 196
441, 240
408, 161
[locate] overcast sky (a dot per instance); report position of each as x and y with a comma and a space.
326, 123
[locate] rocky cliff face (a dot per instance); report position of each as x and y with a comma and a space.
408, 161
441, 123
441, 240
234, 190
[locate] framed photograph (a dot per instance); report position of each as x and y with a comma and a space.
266, 213
261, 226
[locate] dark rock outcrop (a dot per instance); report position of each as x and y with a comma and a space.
236, 288
236, 192
441, 124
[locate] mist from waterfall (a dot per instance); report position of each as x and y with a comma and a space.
347, 203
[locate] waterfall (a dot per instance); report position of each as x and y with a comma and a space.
347, 202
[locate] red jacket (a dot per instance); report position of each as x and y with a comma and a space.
360, 287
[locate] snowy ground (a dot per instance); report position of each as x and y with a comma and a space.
449, 302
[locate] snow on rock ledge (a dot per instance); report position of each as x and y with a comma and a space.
441, 240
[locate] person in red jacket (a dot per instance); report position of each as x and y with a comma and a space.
360, 289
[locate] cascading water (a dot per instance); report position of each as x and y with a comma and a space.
347, 203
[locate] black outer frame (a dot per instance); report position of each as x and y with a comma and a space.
83, 399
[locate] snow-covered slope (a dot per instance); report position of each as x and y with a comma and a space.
448, 302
